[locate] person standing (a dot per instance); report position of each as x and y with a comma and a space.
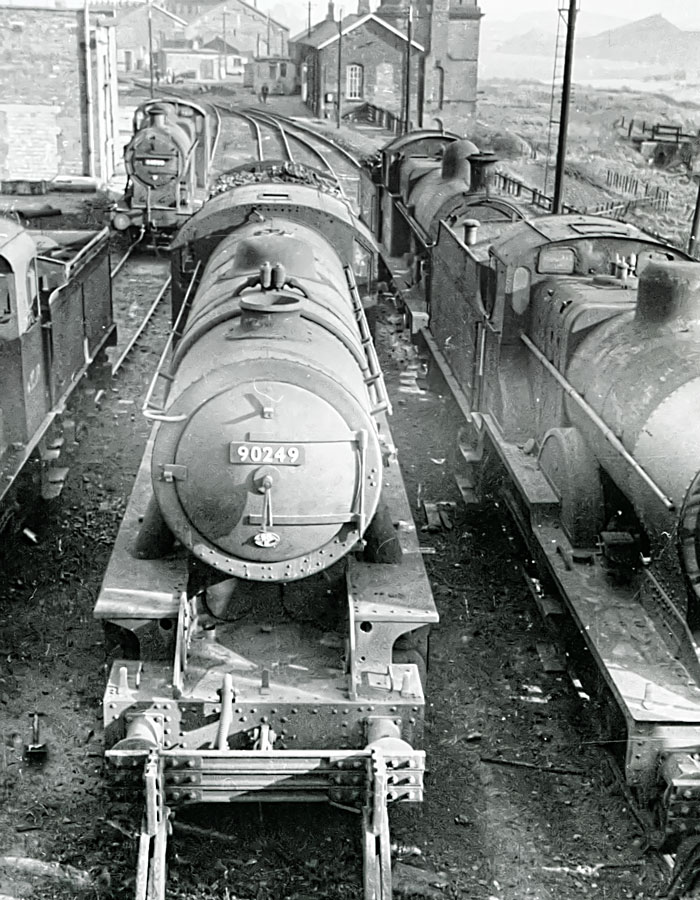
264, 91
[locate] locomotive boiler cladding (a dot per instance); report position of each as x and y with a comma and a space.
269, 463
640, 372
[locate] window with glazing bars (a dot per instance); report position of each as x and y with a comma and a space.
353, 82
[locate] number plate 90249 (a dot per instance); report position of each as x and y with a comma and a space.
249, 453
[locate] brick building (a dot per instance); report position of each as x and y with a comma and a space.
373, 56
279, 74
236, 22
444, 49
449, 30
58, 93
132, 35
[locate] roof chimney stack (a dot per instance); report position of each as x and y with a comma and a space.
363, 7
331, 11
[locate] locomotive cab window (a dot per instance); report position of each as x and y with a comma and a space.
32, 291
520, 293
7, 290
362, 264
556, 261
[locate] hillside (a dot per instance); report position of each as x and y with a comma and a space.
652, 40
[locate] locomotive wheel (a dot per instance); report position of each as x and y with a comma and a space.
573, 471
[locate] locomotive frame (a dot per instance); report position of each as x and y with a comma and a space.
267, 722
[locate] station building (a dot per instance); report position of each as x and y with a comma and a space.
374, 48
58, 92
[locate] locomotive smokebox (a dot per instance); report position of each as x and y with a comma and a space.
268, 465
669, 294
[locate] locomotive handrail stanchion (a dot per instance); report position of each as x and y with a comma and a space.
614, 442
154, 413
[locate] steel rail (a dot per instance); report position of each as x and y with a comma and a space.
124, 258
281, 123
324, 139
250, 121
144, 322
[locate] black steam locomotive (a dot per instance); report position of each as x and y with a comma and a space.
168, 161
571, 344
269, 512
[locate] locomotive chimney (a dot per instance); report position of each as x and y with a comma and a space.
482, 165
455, 161
471, 228
669, 292
158, 115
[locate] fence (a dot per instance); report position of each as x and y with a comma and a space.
652, 194
375, 115
656, 131
522, 191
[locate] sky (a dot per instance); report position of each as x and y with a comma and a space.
683, 13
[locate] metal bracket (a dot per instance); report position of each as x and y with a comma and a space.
376, 839
153, 839
186, 627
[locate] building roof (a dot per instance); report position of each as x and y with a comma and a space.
322, 31
326, 33
132, 10
226, 6
222, 46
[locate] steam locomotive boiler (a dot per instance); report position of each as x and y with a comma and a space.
574, 349
167, 162
268, 514
422, 179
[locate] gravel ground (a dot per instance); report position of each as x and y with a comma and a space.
519, 798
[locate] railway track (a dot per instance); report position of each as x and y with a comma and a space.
139, 285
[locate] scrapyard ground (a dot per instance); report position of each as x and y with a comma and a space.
520, 802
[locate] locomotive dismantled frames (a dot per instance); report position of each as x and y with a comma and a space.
572, 346
167, 161
271, 463
55, 321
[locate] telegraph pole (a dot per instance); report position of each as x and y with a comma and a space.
223, 28
150, 42
407, 74
565, 103
340, 67
309, 19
